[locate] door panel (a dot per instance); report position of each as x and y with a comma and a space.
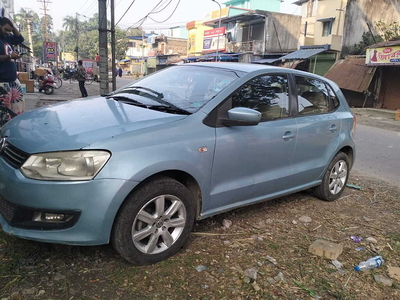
255, 161
318, 129
252, 161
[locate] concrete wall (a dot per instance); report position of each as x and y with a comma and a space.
359, 12
176, 46
286, 34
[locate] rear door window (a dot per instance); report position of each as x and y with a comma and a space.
312, 96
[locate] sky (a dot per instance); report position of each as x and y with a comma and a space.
186, 11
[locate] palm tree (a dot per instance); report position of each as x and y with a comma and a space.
69, 23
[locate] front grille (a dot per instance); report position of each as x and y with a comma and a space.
7, 210
14, 156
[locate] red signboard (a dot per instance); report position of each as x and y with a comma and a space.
215, 31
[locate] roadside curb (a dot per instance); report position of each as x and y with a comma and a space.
375, 112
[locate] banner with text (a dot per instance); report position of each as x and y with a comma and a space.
50, 51
214, 39
383, 56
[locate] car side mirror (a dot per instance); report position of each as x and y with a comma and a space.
242, 116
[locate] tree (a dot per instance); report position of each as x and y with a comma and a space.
121, 43
69, 23
388, 32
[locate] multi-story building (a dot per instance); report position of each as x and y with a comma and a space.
331, 28
7, 9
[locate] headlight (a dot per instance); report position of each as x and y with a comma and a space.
70, 165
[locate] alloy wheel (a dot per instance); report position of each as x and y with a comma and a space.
337, 177
159, 224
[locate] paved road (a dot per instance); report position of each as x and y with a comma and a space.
378, 153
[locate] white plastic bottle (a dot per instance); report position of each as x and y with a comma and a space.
370, 263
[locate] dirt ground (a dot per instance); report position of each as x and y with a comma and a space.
263, 254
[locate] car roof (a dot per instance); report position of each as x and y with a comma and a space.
249, 67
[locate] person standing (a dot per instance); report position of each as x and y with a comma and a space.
120, 72
98, 60
9, 35
81, 77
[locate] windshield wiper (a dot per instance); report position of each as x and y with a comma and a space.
127, 99
169, 108
159, 95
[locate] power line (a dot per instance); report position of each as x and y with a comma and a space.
156, 12
125, 12
142, 20
169, 15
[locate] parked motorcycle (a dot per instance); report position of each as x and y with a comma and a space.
46, 84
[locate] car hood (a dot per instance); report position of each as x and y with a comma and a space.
78, 123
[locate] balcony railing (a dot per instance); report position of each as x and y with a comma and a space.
255, 47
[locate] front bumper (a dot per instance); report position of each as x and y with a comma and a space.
94, 204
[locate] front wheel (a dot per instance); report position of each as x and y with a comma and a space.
335, 178
154, 222
57, 82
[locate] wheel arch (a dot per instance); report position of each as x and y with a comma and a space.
182, 177
349, 151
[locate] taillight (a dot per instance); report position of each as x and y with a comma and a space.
353, 131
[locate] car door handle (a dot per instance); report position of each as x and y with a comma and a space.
333, 128
288, 135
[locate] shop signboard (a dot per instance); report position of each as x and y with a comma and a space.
210, 40
162, 60
383, 56
50, 51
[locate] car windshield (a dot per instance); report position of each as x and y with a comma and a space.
185, 87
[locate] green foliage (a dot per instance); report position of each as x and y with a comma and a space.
76, 33
387, 32
390, 31
366, 40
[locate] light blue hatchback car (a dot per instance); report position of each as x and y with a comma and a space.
138, 166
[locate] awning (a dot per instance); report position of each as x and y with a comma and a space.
351, 74
303, 53
326, 19
265, 60
124, 60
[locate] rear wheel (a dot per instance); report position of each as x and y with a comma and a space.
48, 90
335, 178
154, 222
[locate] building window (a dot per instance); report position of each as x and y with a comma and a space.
132, 44
327, 28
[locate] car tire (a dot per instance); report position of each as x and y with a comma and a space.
154, 222
335, 179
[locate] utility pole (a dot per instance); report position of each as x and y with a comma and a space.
77, 37
44, 3
114, 83
28, 21
103, 51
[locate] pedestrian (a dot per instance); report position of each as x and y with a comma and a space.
81, 77
120, 72
116, 72
9, 35
98, 60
